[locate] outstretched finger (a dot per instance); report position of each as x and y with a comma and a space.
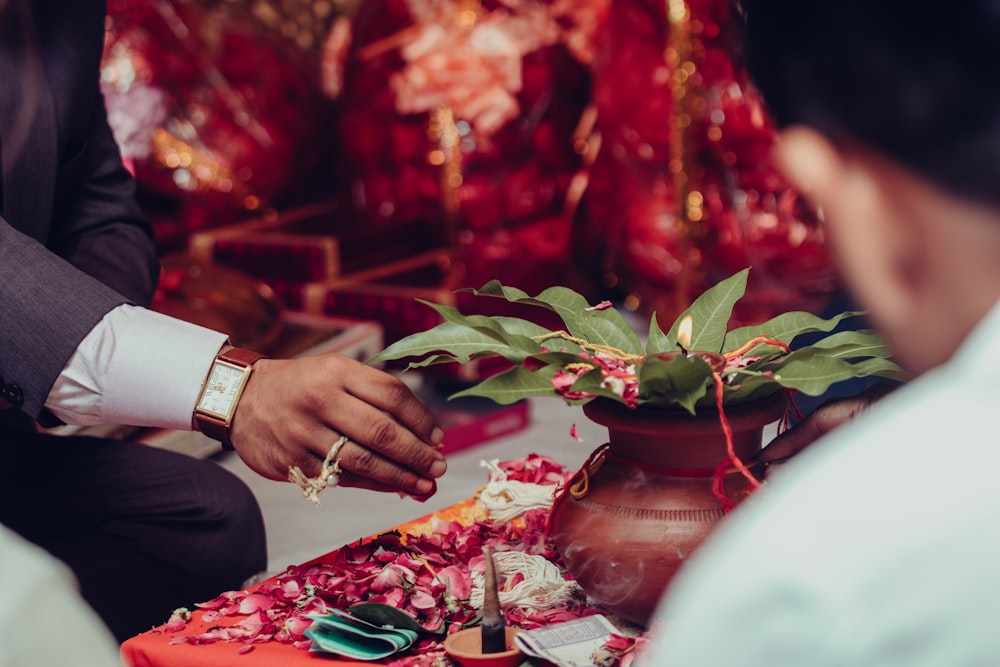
390, 395
352, 464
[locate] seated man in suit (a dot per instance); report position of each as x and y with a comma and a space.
145, 530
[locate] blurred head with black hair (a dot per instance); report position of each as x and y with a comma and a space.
890, 123
917, 82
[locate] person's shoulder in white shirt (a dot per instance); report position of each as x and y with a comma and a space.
43, 619
872, 547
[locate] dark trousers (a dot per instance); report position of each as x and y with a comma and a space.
145, 530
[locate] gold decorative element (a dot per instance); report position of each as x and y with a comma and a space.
302, 23
443, 133
688, 106
196, 169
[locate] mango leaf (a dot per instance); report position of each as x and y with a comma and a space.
810, 372
784, 327
682, 380
855, 350
510, 330
560, 359
458, 341
751, 393
752, 389
710, 314
513, 385
527, 328
885, 368
853, 345
657, 341
813, 374
434, 360
601, 327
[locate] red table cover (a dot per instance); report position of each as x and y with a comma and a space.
155, 648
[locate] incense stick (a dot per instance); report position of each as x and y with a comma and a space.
494, 629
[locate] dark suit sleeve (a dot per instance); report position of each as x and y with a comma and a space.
97, 225
48, 307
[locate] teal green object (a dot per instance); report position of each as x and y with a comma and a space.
343, 633
384, 615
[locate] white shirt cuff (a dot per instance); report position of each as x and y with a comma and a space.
136, 367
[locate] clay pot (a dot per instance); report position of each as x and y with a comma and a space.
624, 529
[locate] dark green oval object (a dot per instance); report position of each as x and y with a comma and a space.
383, 614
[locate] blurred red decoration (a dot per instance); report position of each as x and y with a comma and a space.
217, 118
545, 140
457, 118
681, 192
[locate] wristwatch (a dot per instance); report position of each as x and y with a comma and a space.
213, 414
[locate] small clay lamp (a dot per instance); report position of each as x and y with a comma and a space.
492, 643
716, 361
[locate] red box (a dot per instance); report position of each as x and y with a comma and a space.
315, 243
388, 293
275, 247
468, 421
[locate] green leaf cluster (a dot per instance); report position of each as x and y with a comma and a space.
537, 354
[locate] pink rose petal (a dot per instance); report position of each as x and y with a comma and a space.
255, 602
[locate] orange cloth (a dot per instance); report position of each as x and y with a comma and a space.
153, 648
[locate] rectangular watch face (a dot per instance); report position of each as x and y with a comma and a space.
222, 390
211, 413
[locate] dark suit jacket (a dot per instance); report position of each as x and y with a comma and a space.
73, 243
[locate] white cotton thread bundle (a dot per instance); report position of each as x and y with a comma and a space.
542, 587
506, 499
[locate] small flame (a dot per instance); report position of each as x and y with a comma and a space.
684, 331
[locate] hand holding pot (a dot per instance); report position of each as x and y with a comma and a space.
821, 421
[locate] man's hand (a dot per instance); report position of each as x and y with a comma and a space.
293, 411
820, 422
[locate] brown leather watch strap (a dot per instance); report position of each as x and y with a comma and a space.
240, 356
211, 426
214, 429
